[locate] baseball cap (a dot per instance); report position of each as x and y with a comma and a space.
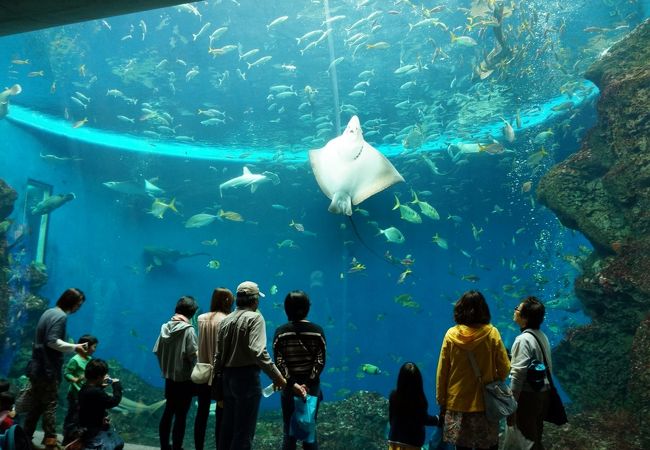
250, 288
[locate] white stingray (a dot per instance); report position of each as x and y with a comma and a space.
349, 170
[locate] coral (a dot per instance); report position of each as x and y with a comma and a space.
36, 276
8, 197
603, 191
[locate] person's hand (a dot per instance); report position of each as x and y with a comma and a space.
300, 390
280, 383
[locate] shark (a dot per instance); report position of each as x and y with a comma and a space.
247, 178
159, 257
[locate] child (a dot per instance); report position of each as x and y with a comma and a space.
93, 405
74, 374
7, 412
407, 411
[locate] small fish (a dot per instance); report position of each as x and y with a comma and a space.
201, 31
378, 46
463, 41
535, 158
262, 60
370, 369
80, 123
20, 62
403, 275
273, 289
425, 207
276, 22
213, 264
211, 242
471, 278
442, 243
526, 186
200, 220
39, 73
297, 226
393, 235
231, 215
159, 207
356, 266
287, 243
406, 212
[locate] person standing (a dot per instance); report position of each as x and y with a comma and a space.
74, 373
299, 348
408, 411
457, 389
176, 349
44, 368
532, 343
241, 353
220, 307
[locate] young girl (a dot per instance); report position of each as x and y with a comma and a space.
408, 411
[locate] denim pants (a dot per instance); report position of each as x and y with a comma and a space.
289, 442
242, 394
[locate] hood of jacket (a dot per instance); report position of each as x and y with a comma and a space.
467, 337
174, 329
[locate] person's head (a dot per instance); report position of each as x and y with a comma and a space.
222, 300
92, 342
186, 306
530, 313
409, 379
7, 401
472, 309
248, 295
96, 370
71, 300
296, 305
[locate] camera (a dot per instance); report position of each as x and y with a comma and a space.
108, 381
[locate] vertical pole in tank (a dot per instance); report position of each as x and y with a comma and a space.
335, 84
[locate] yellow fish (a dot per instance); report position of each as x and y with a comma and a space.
159, 207
231, 215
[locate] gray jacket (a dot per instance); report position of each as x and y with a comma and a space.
176, 349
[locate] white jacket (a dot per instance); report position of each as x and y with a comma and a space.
524, 349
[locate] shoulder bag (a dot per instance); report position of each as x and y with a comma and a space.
499, 401
556, 413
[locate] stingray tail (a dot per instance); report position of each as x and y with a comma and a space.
371, 250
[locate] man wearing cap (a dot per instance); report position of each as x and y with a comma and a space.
241, 353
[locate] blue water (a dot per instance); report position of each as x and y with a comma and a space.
96, 242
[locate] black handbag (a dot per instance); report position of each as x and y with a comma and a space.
216, 389
556, 414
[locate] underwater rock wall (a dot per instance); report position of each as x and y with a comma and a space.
7, 199
603, 191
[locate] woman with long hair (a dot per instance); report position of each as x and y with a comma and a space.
220, 307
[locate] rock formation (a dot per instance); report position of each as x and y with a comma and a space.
603, 191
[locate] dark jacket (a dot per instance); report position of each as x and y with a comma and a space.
407, 422
94, 404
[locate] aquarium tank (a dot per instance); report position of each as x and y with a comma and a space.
383, 156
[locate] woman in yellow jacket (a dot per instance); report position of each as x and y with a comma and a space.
457, 389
